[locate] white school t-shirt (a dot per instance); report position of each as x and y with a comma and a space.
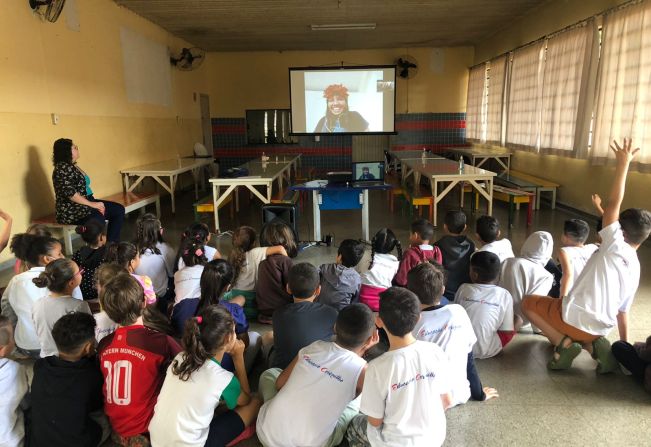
490, 309
403, 387
187, 283
104, 326
209, 253
606, 286
47, 311
385, 267
184, 409
450, 328
305, 411
13, 387
578, 257
502, 248
248, 275
19, 298
159, 267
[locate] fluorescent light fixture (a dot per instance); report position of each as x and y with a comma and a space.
343, 27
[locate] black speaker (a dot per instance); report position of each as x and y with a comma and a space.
284, 212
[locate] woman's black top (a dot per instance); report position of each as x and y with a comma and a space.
68, 180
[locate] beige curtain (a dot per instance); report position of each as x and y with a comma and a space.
623, 104
565, 119
524, 98
476, 103
495, 99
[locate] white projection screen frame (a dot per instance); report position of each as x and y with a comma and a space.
370, 100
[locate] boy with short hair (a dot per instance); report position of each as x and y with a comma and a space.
603, 294
340, 282
133, 360
13, 388
407, 389
317, 392
450, 328
489, 307
67, 387
456, 249
422, 231
488, 231
574, 255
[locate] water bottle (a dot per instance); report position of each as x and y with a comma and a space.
424, 154
461, 164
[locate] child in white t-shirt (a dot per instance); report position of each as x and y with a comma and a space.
316, 393
526, 275
488, 231
449, 327
574, 255
104, 324
13, 388
407, 389
489, 307
156, 256
200, 234
382, 269
603, 294
187, 280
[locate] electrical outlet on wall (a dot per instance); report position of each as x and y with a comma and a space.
55, 118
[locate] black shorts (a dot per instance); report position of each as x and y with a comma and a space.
224, 428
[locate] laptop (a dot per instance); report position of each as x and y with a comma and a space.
368, 173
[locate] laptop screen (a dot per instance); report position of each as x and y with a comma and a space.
368, 170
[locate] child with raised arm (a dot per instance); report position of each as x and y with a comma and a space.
450, 328
407, 389
420, 250
195, 384
456, 249
574, 255
487, 229
13, 388
602, 296
340, 282
489, 307
317, 391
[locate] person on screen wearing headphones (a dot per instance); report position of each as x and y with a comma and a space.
338, 118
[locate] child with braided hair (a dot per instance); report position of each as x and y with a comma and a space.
90, 256
187, 280
200, 234
126, 255
156, 256
382, 269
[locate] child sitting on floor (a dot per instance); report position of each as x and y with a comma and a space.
340, 282
156, 256
419, 250
67, 387
36, 230
456, 249
317, 392
126, 255
104, 325
133, 359
90, 256
603, 294
574, 255
195, 384
187, 280
407, 389
382, 269
199, 233
489, 307
488, 232
450, 328
636, 358
13, 388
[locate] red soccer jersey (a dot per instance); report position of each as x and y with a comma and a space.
134, 360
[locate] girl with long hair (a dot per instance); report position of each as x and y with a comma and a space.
382, 268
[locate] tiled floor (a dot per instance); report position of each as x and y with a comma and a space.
535, 407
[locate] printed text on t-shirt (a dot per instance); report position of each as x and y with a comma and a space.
417, 378
322, 369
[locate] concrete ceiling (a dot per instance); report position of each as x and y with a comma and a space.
277, 25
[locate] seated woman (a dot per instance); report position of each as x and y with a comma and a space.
75, 204
338, 118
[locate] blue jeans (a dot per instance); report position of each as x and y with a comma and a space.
114, 213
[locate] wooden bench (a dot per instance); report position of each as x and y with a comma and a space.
397, 190
513, 197
130, 201
206, 205
286, 196
542, 185
419, 196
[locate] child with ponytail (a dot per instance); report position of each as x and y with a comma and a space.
187, 280
195, 383
200, 234
156, 256
60, 277
126, 255
382, 269
90, 256
34, 252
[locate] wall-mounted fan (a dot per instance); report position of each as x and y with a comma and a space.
189, 59
407, 66
48, 9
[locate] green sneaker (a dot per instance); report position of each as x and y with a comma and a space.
606, 361
566, 355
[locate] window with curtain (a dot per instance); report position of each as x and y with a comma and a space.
565, 119
475, 106
524, 98
495, 99
623, 103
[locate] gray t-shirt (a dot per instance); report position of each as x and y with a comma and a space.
46, 312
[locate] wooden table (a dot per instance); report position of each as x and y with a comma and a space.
398, 156
447, 171
478, 155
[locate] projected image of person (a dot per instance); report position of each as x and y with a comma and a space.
366, 175
338, 117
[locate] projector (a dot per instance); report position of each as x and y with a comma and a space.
339, 177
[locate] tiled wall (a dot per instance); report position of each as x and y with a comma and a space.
433, 131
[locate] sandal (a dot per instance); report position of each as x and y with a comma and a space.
566, 355
601, 352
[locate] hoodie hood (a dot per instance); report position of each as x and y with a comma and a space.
538, 248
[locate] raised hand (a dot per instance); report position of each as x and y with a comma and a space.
624, 154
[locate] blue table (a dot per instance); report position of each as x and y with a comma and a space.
338, 197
